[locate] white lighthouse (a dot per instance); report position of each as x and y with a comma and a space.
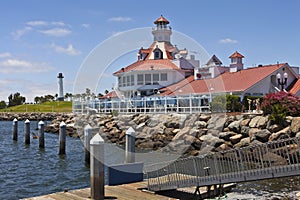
60, 96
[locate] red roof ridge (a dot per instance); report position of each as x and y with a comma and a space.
236, 55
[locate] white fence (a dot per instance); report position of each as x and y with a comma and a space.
187, 104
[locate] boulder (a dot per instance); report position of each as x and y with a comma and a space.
263, 135
226, 135
295, 125
282, 134
234, 126
200, 124
181, 133
243, 143
204, 117
236, 138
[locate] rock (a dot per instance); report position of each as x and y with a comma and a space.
226, 135
181, 133
258, 122
245, 131
243, 143
274, 128
236, 138
297, 134
295, 125
204, 117
263, 135
216, 122
234, 126
274, 159
284, 133
252, 133
245, 122
152, 122
200, 124
140, 126
223, 147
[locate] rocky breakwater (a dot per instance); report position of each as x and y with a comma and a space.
32, 116
191, 134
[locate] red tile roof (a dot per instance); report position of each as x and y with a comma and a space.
109, 95
236, 55
149, 65
226, 82
161, 19
296, 87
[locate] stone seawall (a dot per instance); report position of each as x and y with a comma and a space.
191, 134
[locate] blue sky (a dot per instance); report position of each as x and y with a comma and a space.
39, 39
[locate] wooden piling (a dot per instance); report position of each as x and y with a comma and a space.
15, 129
130, 146
87, 138
62, 139
97, 167
41, 134
27, 131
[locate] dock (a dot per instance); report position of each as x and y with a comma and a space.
131, 191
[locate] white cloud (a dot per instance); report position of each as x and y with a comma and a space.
5, 55
120, 19
27, 88
69, 50
228, 41
14, 65
56, 32
19, 33
85, 25
37, 23
45, 23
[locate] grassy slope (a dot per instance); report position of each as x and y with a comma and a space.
55, 106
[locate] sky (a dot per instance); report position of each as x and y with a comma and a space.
39, 39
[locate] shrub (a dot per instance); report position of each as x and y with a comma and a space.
289, 103
223, 103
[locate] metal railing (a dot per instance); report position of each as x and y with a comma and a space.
263, 161
183, 104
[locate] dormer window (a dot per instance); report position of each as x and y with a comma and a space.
158, 54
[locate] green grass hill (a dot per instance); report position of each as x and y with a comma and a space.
54, 106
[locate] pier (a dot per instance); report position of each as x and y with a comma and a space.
131, 191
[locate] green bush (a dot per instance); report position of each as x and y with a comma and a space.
223, 103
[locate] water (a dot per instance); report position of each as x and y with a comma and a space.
27, 171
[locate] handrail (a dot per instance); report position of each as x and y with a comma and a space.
262, 161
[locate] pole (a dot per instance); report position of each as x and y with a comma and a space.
15, 129
97, 167
62, 139
27, 131
87, 139
130, 146
41, 134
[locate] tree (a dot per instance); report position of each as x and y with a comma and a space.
15, 99
2, 104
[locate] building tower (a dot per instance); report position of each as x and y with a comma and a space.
60, 96
236, 62
162, 32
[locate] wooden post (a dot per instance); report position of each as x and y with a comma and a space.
27, 131
62, 139
97, 167
41, 134
15, 129
87, 139
130, 146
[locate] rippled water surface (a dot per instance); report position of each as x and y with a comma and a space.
27, 171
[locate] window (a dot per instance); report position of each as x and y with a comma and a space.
120, 81
123, 81
155, 77
127, 80
140, 79
157, 54
131, 80
164, 77
147, 79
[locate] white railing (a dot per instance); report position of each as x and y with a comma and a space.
182, 104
